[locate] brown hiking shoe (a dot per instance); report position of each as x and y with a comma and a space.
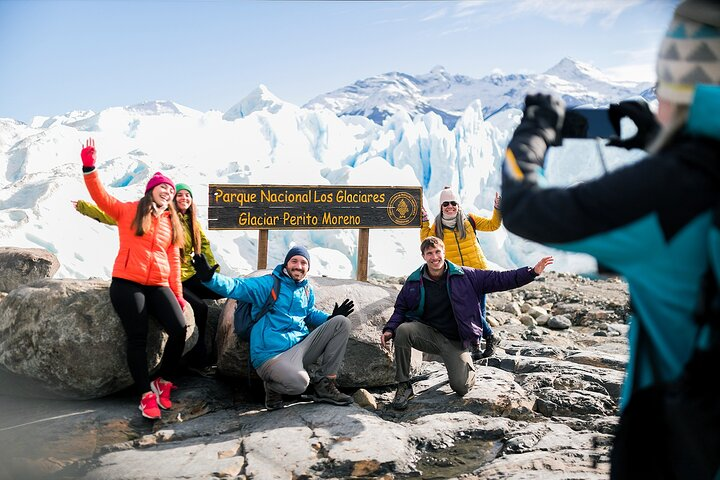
476, 352
490, 343
327, 392
403, 394
273, 399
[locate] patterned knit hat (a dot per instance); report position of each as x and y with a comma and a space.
690, 52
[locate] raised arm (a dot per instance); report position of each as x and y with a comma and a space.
91, 210
106, 202
426, 230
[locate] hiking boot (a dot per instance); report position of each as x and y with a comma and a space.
402, 396
476, 352
273, 399
490, 343
209, 371
149, 407
162, 388
327, 392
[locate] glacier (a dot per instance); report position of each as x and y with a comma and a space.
264, 140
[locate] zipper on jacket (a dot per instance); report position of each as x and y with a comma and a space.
457, 242
152, 249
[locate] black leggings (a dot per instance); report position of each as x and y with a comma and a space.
133, 302
194, 292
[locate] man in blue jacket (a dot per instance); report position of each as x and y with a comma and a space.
281, 345
438, 312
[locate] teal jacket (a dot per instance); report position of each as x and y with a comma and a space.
286, 324
651, 221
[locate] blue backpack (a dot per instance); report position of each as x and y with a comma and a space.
244, 321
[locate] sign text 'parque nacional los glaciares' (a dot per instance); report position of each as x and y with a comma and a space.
309, 207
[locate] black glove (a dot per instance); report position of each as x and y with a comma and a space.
640, 114
345, 309
202, 268
547, 113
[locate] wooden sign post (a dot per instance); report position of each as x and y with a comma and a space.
310, 207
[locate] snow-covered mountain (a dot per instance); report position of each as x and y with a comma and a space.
264, 140
448, 95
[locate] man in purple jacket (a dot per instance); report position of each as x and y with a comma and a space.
437, 312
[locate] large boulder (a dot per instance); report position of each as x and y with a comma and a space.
365, 363
66, 335
20, 266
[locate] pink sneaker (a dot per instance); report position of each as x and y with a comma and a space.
162, 388
149, 407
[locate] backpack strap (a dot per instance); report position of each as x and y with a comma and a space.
267, 306
271, 299
472, 222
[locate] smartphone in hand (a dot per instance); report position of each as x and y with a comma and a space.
584, 122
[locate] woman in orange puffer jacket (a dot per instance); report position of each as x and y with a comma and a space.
145, 277
457, 230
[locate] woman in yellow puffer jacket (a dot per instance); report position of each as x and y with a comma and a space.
457, 230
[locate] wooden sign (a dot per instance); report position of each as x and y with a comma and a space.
310, 207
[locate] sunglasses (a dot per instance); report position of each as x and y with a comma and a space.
446, 204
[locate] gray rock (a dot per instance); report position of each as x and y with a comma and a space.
20, 266
527, 320
510, 307
66, 335
536, 312
302, 441
559, 322
544, 407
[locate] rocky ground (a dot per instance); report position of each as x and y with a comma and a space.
544, 407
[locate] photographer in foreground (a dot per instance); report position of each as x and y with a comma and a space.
655, 222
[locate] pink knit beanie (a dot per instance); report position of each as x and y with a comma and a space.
157, 179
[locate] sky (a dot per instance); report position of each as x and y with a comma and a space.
59, 56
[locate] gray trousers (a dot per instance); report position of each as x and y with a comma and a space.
287, 373
419, 336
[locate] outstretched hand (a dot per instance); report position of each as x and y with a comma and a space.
202, 268
423, 213
87, 154
641, 115
345, 309
497, 201
544, 262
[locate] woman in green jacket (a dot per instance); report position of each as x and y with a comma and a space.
193, 289
194, 292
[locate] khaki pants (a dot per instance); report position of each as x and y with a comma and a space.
287, 372
419, 336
